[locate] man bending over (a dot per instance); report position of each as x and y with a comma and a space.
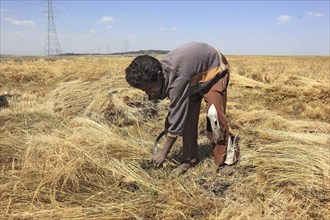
186, 75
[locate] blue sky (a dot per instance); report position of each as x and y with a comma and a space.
235, 27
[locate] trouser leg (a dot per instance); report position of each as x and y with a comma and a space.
190, 133
217, 123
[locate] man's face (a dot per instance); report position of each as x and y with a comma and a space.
153, 89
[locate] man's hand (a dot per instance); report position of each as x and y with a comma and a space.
158, 159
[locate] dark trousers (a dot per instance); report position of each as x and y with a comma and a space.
217, 96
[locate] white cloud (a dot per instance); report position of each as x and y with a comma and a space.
105, 19
109, 27
284, 18
92, 30
174, 29
20, 22
162, 29
315, 14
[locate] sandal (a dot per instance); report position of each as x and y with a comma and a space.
225, 169
184, 167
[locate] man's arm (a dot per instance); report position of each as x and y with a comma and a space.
159, 158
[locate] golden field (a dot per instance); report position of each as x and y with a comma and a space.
75, 142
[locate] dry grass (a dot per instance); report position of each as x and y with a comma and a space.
76, 140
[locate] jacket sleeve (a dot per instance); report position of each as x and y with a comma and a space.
179, 103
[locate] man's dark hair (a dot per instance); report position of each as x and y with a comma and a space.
143, 69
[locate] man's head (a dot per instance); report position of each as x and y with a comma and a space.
145, 73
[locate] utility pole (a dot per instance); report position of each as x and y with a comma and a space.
126, 45
52, 45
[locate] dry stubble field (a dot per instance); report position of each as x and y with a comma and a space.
75, 142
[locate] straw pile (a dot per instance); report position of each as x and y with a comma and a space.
100, 98
75, 142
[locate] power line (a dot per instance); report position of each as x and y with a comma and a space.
101, 36
77, 31
70, 19
30, 3
76, 25
18, 13
83, 26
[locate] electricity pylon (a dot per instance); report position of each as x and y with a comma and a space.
52, 42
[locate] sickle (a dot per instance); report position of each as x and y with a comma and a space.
155, 148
